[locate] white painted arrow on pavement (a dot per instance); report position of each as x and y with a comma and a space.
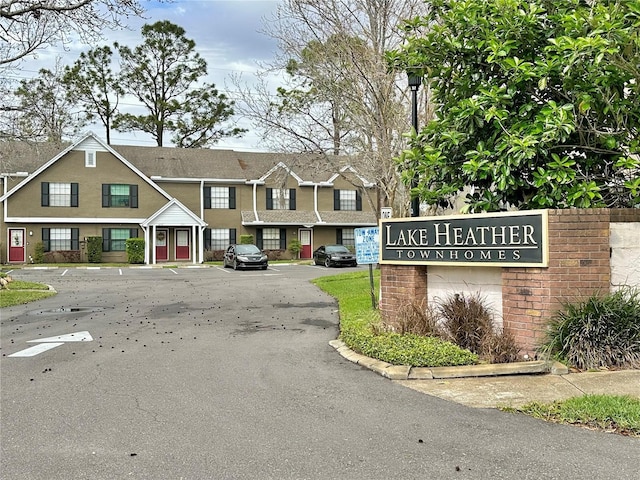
45, 344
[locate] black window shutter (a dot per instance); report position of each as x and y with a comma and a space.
106, 197
336, 199
74, 195
259, 242
75, 239
232, 198
207, 197
232, 235
283, 239
358, 201
339, 236
106, 240
44, 197
133, 196
133, 233
207, 239
45, 239
269, 198
292, 199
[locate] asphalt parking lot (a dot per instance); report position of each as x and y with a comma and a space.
207, 373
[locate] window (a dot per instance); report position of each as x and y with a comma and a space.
89, 158
346, 237
347, 200
271, 238
220, 197
56, 239
219, 238
119, 195
59, 194
114, 239
281, 198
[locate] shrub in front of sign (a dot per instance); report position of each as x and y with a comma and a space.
468, 322
601, 331
407, 349
463, 320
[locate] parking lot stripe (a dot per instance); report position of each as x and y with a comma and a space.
36, 349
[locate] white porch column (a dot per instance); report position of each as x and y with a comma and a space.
194, 244
146, 245
153, 245
201, 244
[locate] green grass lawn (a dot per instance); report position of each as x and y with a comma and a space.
19, 292
358, 320
612, 413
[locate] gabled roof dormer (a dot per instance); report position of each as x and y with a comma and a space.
88, 143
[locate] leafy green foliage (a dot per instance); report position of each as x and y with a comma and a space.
359, 322
246, 239
92, 83
161, 73
538, 103
38, 252
602, 331
135, 250
94, 249
613, 413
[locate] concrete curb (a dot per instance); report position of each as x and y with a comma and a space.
407, 372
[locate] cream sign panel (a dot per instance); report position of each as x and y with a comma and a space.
516, 239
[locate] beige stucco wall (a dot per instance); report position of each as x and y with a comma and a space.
625, 254
443, 282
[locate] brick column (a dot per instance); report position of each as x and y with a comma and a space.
400, 285
579, 265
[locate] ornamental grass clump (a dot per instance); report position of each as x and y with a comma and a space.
464, 320
468, 322
602, 331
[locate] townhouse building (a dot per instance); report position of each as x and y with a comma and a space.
187, 204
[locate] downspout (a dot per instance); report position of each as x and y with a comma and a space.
255, 201
315, 203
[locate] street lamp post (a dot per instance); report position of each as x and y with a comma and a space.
414, 84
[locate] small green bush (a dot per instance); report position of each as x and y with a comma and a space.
135, 250
407, 349
94, 249
294, 247
601, 331
38, 252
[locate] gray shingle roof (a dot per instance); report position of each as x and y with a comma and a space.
298, 217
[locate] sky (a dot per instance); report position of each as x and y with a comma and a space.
226, 33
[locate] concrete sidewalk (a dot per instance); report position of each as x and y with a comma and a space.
507, 385
517, 390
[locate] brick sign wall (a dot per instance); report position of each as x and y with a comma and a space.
578, 265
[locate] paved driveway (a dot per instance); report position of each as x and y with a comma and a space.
217, 374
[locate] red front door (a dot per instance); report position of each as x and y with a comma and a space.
305, 241
183, 249
161, 245
17, 252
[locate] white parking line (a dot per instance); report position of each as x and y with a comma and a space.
120, 270
36, 350
176, 273
63, 273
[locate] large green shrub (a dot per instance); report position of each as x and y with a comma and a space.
246, 239
94, 249
135, 250
601, 331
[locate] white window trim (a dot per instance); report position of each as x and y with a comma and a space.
90, 158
